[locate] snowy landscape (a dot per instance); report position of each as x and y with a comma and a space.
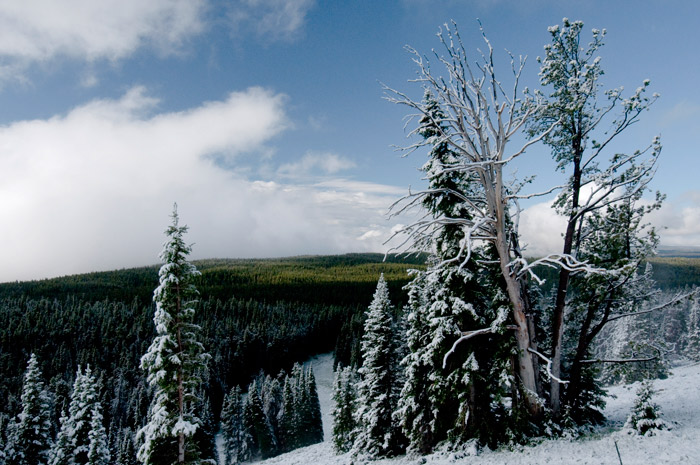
400, 233
678, 397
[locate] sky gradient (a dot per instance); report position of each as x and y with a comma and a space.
264, 120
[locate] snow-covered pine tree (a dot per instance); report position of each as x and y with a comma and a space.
262, 442
176, 361
303, 407
645, 418
205, 436
375, 435
343, 413
235, 435
692, 346
271, 395
59, 454
76, 436
415, 411
126, 449
98, 451
30, 442
449, 391
287, 417
314, 422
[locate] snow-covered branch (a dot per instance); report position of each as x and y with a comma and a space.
565, 261
548, 367
465, 336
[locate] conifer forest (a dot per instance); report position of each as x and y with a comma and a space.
456, 338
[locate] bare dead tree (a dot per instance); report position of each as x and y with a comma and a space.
478, 120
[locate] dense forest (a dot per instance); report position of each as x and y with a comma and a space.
257, 316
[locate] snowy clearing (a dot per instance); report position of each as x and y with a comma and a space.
678, 396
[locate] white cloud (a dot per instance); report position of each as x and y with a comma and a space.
541, 229
40, 30
271, 19
313, 163
92, 189
678, 220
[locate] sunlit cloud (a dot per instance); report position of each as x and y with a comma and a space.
92, 189
315, 163
677, 222
36, 31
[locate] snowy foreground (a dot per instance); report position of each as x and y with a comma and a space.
678, 397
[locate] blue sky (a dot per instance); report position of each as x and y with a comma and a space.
264, 120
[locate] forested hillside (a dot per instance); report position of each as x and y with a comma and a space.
256, 316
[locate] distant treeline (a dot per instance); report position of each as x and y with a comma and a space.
334, 280
676, 272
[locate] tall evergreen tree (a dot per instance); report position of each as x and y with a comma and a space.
262, 442
692, 346
235, 435
271, 396
126, 449
81, 428
343, 413
449, 392
98, 451
287, 417
314, 422
376, 432
31, 439
176, 361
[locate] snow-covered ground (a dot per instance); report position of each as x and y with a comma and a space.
323, 372
678, 396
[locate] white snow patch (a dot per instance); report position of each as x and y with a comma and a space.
323, 372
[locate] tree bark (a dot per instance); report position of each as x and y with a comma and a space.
564, 274
526, 366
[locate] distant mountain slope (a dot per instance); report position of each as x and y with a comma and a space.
329, 279
333, 279
689, 252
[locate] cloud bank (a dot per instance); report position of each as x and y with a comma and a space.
40, 30
677, 222
92, 189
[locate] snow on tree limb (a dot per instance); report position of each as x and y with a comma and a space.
548, 366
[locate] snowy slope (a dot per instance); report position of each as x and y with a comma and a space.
323, 372
678, 397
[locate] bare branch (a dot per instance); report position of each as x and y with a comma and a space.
465, 336
549, 366
680, 297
